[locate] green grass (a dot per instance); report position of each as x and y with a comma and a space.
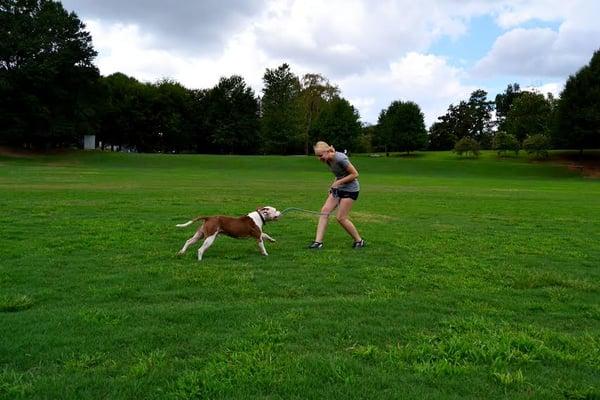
481, 279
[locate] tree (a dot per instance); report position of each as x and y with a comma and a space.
467, 145
172, 108
441, 136
480, 113
470, 118
505, 142
530, 114
578, 113
48, 84
201, 132
537, 145
401, 127
504, 103
129, 114
120, 94
338, 123
232, 116
460, 120
281, 123
315, 92
365, 140
145, 134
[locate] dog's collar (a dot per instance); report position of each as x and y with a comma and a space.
262, 218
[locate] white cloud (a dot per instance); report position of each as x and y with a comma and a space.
376, 52
543, 52
344, 37
350, 42
426, 79
126, 49
516, 12
521, 52
553, 87
185, 27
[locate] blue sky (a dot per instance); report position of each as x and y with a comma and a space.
482, 32
433, 52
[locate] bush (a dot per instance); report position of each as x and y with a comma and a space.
505, 142
537, 145
467, 145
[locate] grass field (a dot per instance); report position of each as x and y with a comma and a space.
481, 279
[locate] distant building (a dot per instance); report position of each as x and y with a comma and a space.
89, 142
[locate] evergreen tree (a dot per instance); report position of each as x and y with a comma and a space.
578, 113
281, 123
232, 112
48, 84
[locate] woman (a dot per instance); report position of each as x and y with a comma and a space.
343, 193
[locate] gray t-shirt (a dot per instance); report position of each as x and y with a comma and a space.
339, 167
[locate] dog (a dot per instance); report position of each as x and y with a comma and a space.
250, 225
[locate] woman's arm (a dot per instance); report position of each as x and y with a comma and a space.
352, 175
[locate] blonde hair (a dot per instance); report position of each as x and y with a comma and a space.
322, 147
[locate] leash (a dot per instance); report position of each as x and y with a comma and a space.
303, 210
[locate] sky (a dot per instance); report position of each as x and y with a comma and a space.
432, 52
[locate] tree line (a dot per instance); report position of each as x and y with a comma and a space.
51, 94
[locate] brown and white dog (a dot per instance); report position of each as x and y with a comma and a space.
250, 225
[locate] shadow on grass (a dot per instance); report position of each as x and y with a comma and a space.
586, 163
408, 155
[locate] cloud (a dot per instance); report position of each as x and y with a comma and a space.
522, 52
516, 12
552, 87
292, 32
426, 79
337, 37
376, 52
543, 52
344, 37
126, 49
185, 27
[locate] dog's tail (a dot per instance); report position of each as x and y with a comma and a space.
190, 222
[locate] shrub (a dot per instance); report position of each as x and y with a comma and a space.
537, 145
505, 142
467, 145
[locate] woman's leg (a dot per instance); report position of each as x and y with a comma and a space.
330, 205
342, 217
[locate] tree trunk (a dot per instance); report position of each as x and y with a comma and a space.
306, 134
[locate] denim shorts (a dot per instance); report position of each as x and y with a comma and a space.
342, 194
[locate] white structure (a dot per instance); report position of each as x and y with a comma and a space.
89, 142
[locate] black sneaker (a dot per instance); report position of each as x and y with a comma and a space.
358, 245
316, 245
